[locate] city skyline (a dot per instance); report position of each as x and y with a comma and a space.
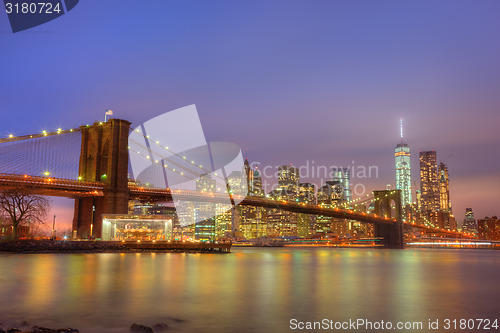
344, 106
337, 176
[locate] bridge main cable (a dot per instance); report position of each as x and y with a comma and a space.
13, 138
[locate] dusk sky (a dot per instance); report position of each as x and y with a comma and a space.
289, 81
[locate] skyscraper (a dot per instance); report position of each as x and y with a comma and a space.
279, 222
342, 177
205, 211
252, 219
469, 223
444, 188
256, 184
288, 179
403, 170
429, 183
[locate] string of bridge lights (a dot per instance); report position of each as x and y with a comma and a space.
166, 148
44, 133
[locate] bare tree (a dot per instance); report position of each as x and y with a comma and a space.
22, 207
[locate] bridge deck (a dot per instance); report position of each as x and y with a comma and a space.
78, 189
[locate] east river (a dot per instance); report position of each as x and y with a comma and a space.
251, 289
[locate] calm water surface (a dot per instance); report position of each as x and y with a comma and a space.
249, 290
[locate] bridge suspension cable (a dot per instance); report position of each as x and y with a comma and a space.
54, 154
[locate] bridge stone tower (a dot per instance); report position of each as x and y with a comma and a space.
388, 204
103, 158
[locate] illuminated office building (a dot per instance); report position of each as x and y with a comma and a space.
256, 184
305, 222
403, 170
342, 178
306, 193
279, 222
418, 199
331, 195
469, 224
248, 173
251, 220
288, 179
429, 184
489, 228
205, 212
444, 188
238, 182
337, 192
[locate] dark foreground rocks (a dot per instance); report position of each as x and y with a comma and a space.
137, 328
36, 329
134, 328
160, 327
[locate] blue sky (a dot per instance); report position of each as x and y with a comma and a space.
289, 81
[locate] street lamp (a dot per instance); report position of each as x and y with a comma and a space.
54, 228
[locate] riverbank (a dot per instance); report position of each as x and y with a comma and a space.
50, 246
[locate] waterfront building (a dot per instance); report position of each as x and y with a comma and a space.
489, 228
154, 227
6, 230
157, 209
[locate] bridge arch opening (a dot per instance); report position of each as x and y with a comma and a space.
382, 208
392, 209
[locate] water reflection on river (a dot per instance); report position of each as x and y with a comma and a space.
249, 290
